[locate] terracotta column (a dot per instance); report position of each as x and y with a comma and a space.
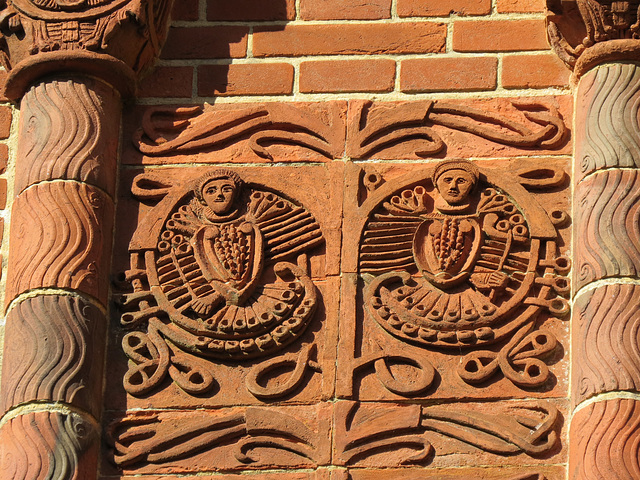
70, 64
605, 424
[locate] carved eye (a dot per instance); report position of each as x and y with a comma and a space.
227, 189
211, 190
448, 179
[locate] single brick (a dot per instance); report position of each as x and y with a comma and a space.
185, 10
3, 80
439, 8
3, 193
345, 9
245, 79
167, 82
448, 74
499, 35
206, 42
5, 122
251, 10
337, 39
348, 76
521, 6
4, 157
534, 71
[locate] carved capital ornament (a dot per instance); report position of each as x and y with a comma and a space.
112, 39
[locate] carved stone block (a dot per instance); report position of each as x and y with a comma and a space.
462, 282
604, 440
63, 355
58, 239
604, 341
69, 131
49, 445
608, 234
230, 287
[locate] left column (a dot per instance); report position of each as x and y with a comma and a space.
70, 64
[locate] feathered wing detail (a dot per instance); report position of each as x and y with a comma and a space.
387, 243
287, 228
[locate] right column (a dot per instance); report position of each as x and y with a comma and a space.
605, 385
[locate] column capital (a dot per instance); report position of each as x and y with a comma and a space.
587, 33
114, 40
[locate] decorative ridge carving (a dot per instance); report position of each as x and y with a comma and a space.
612, 33
107, 38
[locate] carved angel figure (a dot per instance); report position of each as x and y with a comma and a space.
475, 253
218, 279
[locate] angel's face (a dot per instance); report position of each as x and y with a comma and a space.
219, 195
455, 185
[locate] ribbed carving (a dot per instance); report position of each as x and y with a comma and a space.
606, 341
605, 441
48, 445
607, 230
69, 131
58, 239
54, 349
607, 109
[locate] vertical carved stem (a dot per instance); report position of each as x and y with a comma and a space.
606, 315
60, 249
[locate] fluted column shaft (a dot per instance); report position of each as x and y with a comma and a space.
605, 428
57, 285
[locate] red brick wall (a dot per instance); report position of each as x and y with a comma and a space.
393, 48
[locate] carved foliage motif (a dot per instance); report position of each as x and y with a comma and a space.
216, 280
464, 260
371, 128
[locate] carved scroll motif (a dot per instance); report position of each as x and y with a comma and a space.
371, 128
366, 430
167, 131
200, 290
465, 260
163, 438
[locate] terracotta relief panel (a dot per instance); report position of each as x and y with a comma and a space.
338, 318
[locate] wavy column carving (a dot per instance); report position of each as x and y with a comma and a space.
604, 434
70, 63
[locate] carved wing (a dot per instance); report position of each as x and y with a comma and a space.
387, 239
287, 228
387, 243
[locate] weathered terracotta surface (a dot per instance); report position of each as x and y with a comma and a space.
604, 341
604, 440
607, 109
49, 445
63, 361
70, 130
316, 131
60, 239
229, 439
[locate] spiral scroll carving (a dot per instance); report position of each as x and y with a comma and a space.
63, 361
606, 437
58, 239
608, 234
69, 130
610, 101
47, 445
